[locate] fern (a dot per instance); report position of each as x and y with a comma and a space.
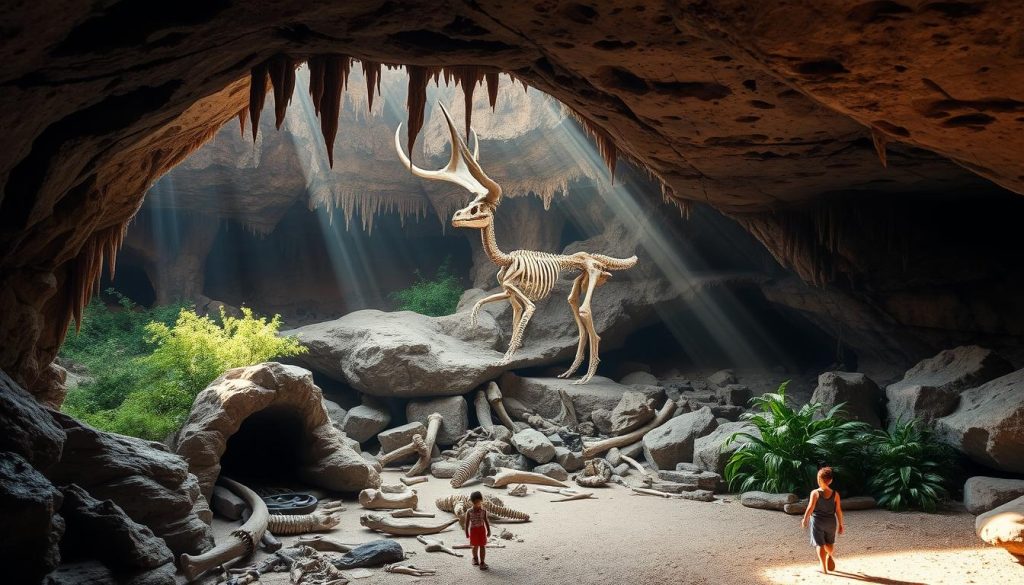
434, 297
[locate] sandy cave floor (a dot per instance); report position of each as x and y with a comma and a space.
625, 538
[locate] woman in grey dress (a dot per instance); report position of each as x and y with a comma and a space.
825, 516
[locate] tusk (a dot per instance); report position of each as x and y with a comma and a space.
476, 145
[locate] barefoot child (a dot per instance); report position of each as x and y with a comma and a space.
478, 529
824, 513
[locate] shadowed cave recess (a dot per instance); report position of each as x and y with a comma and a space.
822, 192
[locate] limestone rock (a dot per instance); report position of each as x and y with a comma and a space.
931, 389
644, 378
541, 394
363, 422
103, 531
552, 470
634, 410
400, 436
706, 480
454, 411
27, 428
220, 411
710, 452
862, 397
32, 527
987, 423
1003, 526
673, 441
722, 378
981, 494
534, 445
767, 501
602, 419
735, 394
151, 484
571, 461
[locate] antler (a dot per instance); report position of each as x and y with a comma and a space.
462, 169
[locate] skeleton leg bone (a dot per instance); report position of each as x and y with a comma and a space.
489, 299
574, 304
587, 314
520, 328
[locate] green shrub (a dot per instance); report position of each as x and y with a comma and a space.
434, 297
793, 445
179, 361
909, 467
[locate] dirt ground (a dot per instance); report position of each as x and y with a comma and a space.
625, 538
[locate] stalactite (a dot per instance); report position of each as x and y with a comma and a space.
416, 101
492, 88
282, 78
367, 204
605, 145
467, 76
880, 141
241, 120
257, 95
336, 69
316, 81
371, 72
88, 266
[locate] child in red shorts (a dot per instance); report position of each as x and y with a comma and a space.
478, 529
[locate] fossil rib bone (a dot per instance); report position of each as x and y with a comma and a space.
469, 466
427, 447
493, 393
241, 542
506, 476
483, 409
525, 276
412, 480
598, 447
458, 504
635, 465
436, 545
372, 499
389, 525
284, 524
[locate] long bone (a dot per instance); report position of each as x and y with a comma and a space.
437, 545
372, 499
417, 446
427, 449
412, 480
242, 541
598, 447
483, 409
389, 525
409, 570
493, 393
410, 513
506, 476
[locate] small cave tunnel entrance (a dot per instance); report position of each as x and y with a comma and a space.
130, 280
267, 450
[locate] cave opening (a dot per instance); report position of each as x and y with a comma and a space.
132, 281
268, 449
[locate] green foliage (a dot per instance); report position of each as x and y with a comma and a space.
909, 467
792, 446
160, 365
434, 297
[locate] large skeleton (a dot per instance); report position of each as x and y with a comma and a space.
525, 276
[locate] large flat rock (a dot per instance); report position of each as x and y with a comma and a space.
987, 424
540, 395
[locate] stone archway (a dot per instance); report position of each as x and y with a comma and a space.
324, 459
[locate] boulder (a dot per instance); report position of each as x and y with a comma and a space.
727, 412
335, 412
861, 398
375, 553
634, 410
613, 456
220, 411
540, 395
534, 445
673, 441
225, 503
400, 436
850, 504
556, 440
710, 452
571, 461
634, 450
767, 501
552, 470
722, 378
705, 480
363, 422
28, 429
149, 483
494, 461
735, 394
102, 530
1003, 526
444, 469
981, 494
987, 424
32, 527
454, 411
95, 573
372, 461
602, 419
672, 487
931, 389
639, 377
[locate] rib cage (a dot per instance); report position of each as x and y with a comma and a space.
534, 273
469, 466
492, 504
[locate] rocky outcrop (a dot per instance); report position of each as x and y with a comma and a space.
987, 425
633, 411
363, 422
710, 452
28, 428
223, 407
673, 442
149, 483
931, 389
860, 397
981, 494
534, 445
541, 394
1003, 526
33, 529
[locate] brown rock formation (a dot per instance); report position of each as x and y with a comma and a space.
752, 108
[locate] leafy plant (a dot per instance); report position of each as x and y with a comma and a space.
435, 297
793, 443
180, 359
909, 466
